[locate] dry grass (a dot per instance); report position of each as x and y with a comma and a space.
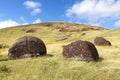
57, 68
54, 66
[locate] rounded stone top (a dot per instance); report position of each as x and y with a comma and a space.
27, 46
100, 41
81, 50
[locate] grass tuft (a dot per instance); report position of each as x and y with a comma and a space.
2, 46
4, 68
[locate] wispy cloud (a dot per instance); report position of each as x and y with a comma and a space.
35, 11
117, 24
22, 19
95, 10
33, 6
37, 21
8, 23
24, 22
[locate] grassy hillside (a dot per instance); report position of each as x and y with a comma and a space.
54, 66
51, 32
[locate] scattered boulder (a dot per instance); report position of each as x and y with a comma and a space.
27, 46
81, 50
100, 41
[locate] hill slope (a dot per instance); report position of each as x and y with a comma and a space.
51, 32
54, 66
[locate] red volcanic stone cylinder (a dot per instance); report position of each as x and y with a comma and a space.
81, 50
100, 41
27, 46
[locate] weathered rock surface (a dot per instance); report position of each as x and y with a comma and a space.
27, 46
100, 41
81, 50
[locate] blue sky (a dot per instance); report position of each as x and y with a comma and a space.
104, 13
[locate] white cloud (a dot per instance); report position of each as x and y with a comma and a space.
94, 10
35, 11
37, 21
117, 24
33, 6
8, 23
